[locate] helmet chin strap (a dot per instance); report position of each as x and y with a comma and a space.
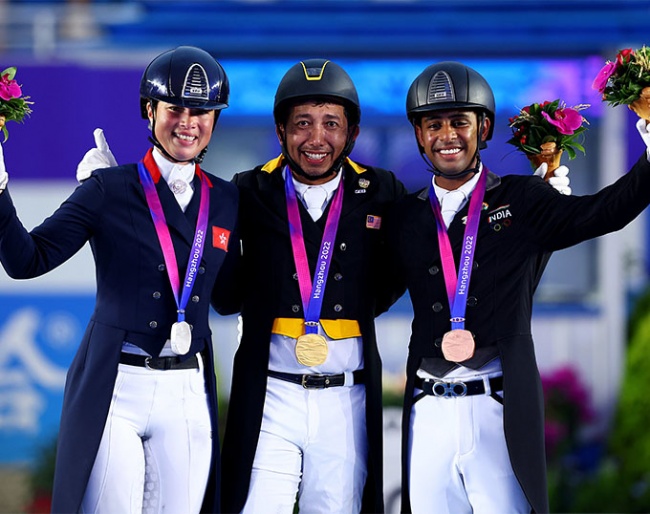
454, 176
333, 170
197, 160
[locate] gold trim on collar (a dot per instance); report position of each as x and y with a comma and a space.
276, 163
273, 164
356, 167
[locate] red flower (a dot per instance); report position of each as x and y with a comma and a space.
624, 56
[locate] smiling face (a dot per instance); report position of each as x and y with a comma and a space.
182, 132
315, 135
449, 139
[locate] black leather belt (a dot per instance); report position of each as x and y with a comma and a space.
435, 387
159, 363
317, 381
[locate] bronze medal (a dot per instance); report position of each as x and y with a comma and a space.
458, 345
181, 338
311, 349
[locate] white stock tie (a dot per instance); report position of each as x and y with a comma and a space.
179, 185
315, 197
451, 203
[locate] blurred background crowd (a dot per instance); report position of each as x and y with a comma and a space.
80, 62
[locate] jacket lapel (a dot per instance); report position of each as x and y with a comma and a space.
360, 185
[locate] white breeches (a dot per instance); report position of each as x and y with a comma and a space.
312, 446
458, 459
156, 448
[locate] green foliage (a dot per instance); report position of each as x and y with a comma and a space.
622, 481
630, 73
629, 441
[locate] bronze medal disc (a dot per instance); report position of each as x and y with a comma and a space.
458, 345
311, 349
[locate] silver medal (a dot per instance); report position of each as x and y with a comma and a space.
181, 337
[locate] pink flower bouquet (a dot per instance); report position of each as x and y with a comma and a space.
13, 105
543, 131
626, 81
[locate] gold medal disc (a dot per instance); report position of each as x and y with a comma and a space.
458, 345
311, 349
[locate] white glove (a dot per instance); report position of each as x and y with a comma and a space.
4, 177
96, 158
559, 180
642, 127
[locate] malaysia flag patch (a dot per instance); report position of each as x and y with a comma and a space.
220, 238
373, 221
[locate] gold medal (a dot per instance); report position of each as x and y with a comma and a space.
181, 338
311, 349
458, 345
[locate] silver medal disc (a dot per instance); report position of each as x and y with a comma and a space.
181, 337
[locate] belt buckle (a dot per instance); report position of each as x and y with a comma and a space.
305, 382
449, 389
165, 363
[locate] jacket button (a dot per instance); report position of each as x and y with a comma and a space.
338, 276
295, 308
153, 324
195, 298
161, 267
433, 270
437, 307
295, 276
338, 308
343, 247
156, 295
438, 342
201, 270
472, 301
475, 265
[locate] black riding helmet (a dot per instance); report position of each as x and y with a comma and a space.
188, 77
451, 85
321, 80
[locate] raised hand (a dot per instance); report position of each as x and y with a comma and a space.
96, 158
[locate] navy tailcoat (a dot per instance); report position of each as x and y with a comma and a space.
134, 300
522, 222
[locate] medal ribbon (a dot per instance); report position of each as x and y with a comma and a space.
312, 294
458, 284
164, 237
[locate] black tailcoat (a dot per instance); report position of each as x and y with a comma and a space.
523, 221
134, 300
354, 290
